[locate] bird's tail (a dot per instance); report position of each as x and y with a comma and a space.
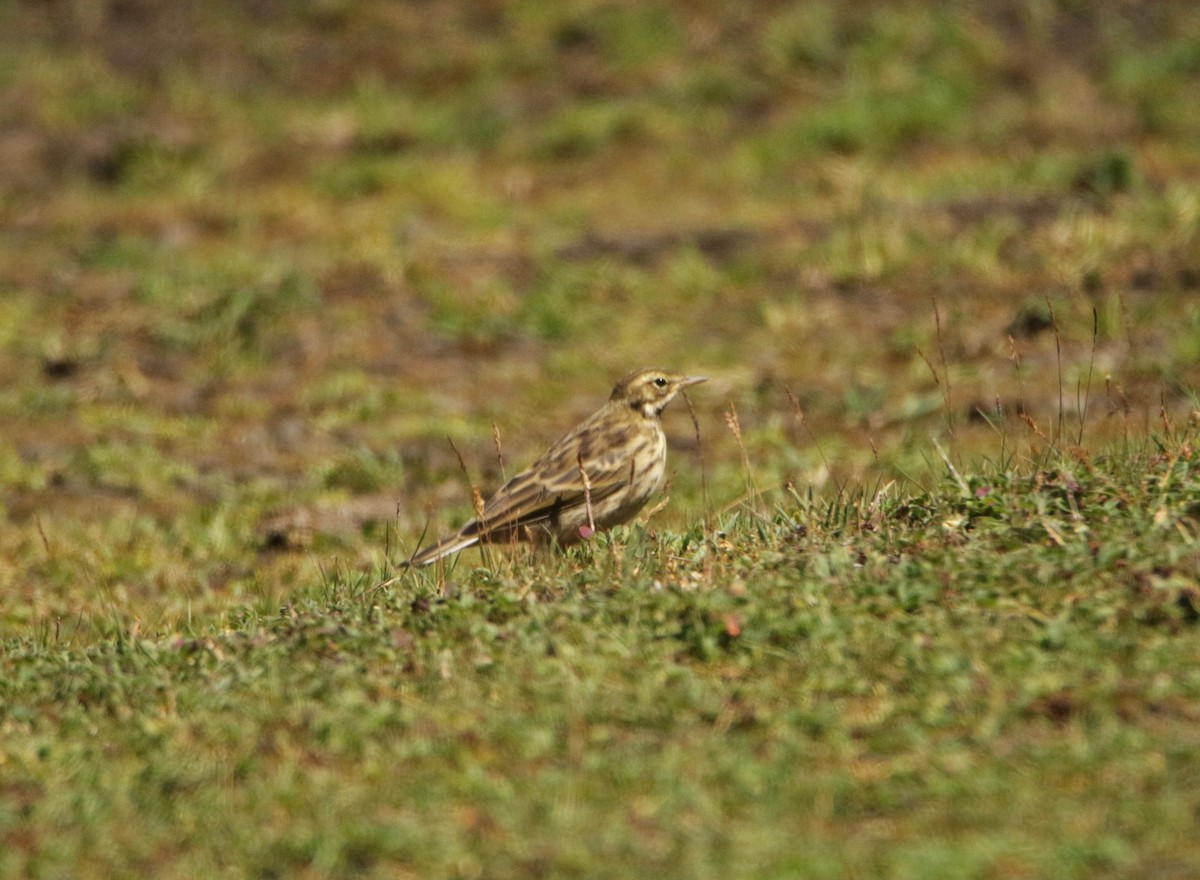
460, 541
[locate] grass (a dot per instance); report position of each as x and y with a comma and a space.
929, 611
995, 677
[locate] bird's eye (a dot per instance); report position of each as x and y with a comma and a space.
660, 382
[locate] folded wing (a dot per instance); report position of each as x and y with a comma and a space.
553, 484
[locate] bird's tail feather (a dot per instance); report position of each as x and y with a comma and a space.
444, 547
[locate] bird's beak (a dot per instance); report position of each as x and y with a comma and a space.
692, 380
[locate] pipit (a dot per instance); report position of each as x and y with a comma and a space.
597, 476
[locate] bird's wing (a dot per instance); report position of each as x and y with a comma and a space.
554, 483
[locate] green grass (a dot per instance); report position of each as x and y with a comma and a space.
996, 677
273, 275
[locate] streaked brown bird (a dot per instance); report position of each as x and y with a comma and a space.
597, 476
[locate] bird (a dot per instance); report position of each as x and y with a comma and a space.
598, 475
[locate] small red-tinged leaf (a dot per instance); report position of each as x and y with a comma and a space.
733, 624
586, 532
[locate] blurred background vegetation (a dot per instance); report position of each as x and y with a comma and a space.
259, 260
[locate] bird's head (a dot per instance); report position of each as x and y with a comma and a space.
649, 391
